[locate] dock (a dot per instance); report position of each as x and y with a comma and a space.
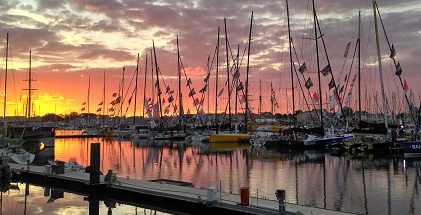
158, 195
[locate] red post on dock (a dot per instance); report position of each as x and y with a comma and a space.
245, 196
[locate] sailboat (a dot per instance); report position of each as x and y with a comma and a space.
230, 137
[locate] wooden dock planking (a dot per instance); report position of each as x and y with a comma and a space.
139, 192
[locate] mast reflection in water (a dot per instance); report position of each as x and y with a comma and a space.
369, 185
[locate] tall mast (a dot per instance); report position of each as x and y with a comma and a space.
290, 61
29, 89
122, 95
216, 79
237, 71
144, 86
318, 65
271, 99
5, 77
29, 85
157, 83
103, 102
152, 81
89, 91
260, 99
135, 93
359, 66
180, 94
379, 59
247, 75
228, 73
208, 70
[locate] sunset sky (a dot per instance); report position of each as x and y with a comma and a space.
76, 39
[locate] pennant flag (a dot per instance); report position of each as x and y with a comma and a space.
308, 83
220, 92
188, 82
149, 99
236, 74
172, 92
315, 97
100, 103
130, 100
203, 90
117, 100
303, 68
202, 101
175, 109
242, 99
99, 110
112, 102
159, 92
331, 84
327, 70
84, 103
196, 102
240, 86
333, 101
192, 92
111, 109
83, 109
341, 90
114, 94
405, 86
398, 69
206, 78
170, 99
347, 49
392, 52
168, 89
167, 109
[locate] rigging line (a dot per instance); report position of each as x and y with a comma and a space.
394, 60
308, 90
302, 91
331, 73
350, 70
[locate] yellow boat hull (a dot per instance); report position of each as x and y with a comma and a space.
229, 138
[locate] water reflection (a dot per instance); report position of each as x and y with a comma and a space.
28, 199
372, 185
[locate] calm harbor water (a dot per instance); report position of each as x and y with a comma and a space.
372, 185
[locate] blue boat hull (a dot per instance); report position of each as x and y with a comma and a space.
412, 149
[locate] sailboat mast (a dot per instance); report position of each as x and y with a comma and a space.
152, 81
359, 66
29, 85
260, 99
89, 91
216, 79
290, 60
157, 83
237, 70
5, 77
180, 94
379, 59
318, 65
122, 95
135, 93
103, 102
144, 86
228, 73
247, 75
